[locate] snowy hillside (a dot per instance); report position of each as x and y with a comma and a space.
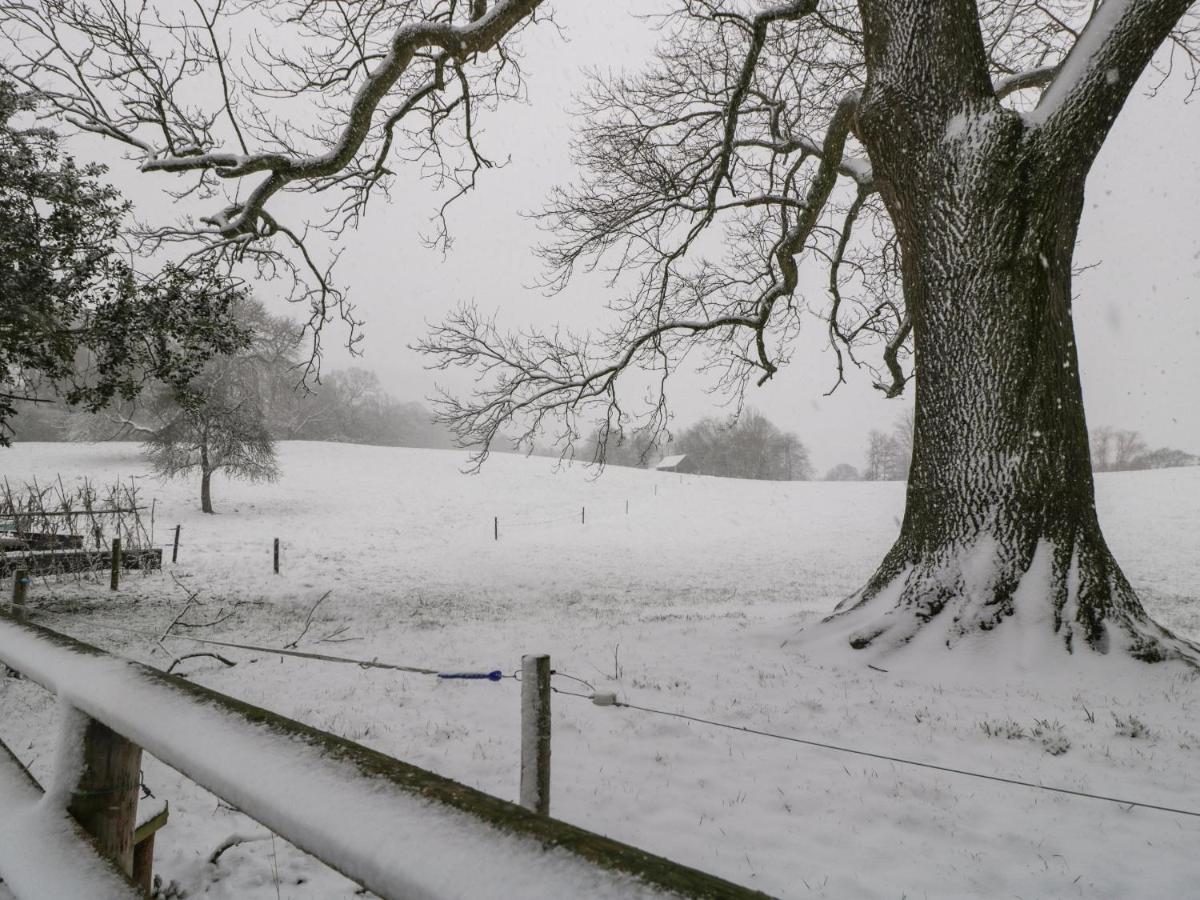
684, 603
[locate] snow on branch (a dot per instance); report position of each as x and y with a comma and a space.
339, 90
1108, 56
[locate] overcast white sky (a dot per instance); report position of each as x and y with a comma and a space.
1137, 316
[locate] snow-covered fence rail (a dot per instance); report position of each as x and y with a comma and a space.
400, 831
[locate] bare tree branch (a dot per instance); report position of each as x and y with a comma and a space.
1092, 84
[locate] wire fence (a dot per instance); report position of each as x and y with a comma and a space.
610, 699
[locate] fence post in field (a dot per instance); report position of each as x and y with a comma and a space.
495, 528
583, 515
175, 546
104, 802
20, 593
535, 733
114, 580
276, 556
626, 507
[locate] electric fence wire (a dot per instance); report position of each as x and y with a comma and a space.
887, 758
497, 675
488, 675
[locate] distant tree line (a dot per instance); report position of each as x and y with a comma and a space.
750, 446
747, 446
889, 454
347, 405
350, 406
1116, 450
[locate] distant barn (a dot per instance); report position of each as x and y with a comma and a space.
679, 463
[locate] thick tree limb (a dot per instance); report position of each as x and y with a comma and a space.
1020, 81
532, 375
1082, 101
459, 41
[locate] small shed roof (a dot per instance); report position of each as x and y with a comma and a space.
670, 462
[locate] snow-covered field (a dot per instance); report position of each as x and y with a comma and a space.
687, 603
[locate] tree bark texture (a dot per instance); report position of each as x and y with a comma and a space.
206, 490
206, 470
1000, 516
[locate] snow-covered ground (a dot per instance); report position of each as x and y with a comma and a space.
685, 603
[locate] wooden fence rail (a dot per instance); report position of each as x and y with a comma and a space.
398, 830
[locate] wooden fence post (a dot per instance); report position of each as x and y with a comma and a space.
104, 802
496, 528
114, 580
20, 593
583, 515
175, 547
276, 556
535, 733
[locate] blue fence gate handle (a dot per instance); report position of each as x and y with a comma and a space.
488, 676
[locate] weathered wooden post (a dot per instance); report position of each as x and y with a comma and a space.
583, 515
495, 528
104, 802
143, 849
20, 593
535, 733
276, 556
175, 546
114, 580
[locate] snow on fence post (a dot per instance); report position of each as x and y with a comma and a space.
175, 546
370, 803
276, 551
114, 580
535, 733
105, 800
20, 593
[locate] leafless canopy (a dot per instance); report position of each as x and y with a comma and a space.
246, 101
710, 183
744, 126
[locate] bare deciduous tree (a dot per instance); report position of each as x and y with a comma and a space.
881, 452
932, 157
750, 446
219, 422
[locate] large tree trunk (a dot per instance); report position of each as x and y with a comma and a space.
1000, 523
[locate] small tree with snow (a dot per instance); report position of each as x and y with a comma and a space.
219, 422
214, 430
